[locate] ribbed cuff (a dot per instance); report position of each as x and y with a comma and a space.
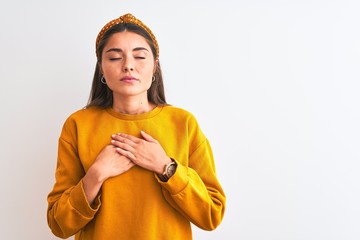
79, 202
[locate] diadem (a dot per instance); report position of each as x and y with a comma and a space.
127, 18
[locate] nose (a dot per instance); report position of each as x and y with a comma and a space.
128, 69
128, 65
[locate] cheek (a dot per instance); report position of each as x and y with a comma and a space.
109, 70
147, 68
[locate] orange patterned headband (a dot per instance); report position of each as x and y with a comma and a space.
127, 18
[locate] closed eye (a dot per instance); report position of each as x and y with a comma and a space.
114, 59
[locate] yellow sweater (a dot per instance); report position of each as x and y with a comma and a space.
135, 205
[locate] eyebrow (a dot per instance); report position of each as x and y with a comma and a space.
120, 50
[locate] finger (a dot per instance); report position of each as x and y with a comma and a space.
125, 138
125, 153
130, 137
147, 137
123, 145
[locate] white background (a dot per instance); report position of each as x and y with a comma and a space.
274, 85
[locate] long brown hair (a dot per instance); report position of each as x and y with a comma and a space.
100, 94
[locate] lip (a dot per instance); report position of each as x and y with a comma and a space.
128, 79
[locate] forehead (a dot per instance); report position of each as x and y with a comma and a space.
126, 40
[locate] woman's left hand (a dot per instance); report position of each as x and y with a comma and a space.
147, 152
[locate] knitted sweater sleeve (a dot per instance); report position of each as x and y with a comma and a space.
194, 190
68, 210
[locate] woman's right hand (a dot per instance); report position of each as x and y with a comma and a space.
109, 163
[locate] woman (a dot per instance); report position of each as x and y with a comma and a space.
129, 165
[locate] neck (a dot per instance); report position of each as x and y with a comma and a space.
132, 106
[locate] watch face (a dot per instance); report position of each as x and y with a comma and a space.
171, 170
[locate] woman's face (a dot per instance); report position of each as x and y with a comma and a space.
128, 65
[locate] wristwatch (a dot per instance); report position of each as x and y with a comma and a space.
168, 172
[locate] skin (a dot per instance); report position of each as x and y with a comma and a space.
128, 66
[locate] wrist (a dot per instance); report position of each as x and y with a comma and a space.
162, 166
95, 174
91, 185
